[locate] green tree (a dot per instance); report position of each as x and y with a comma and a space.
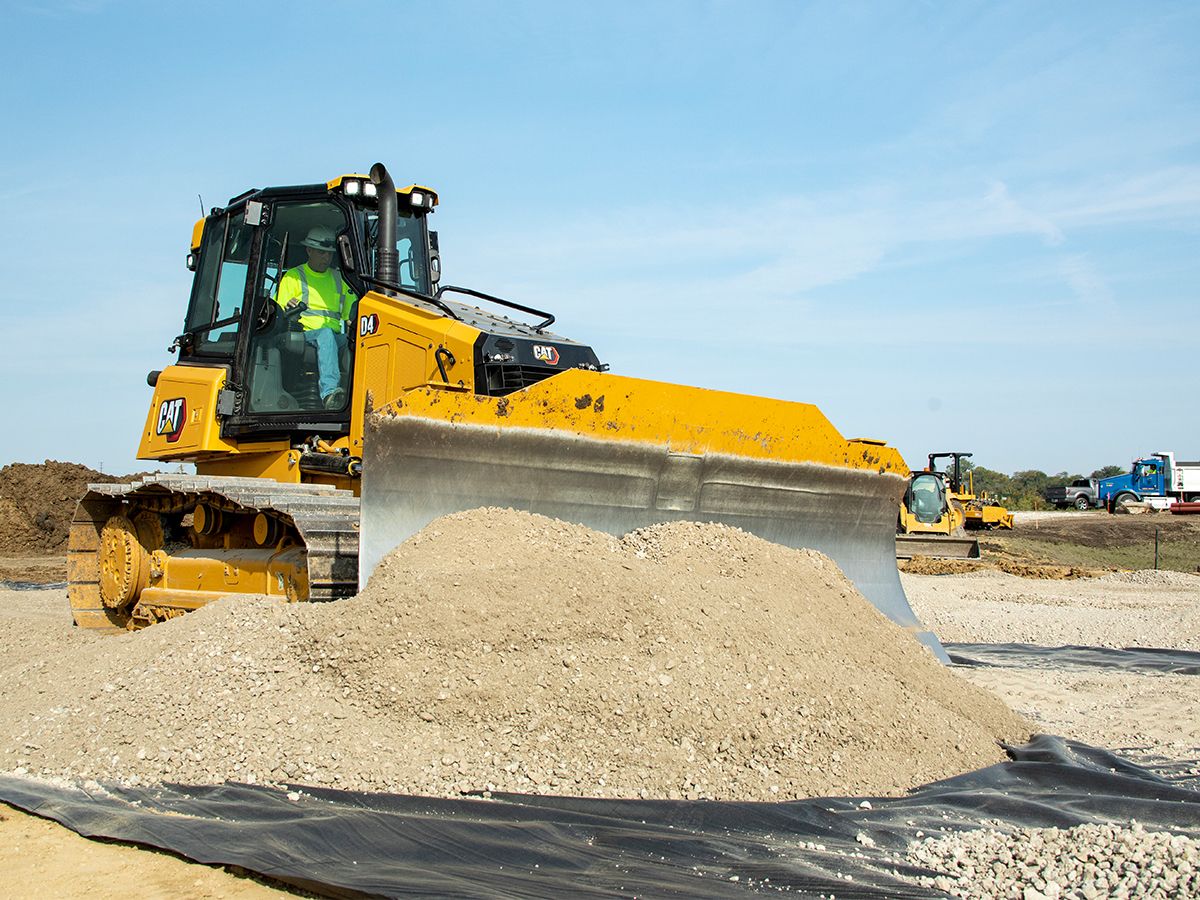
1109, 471
1027, 488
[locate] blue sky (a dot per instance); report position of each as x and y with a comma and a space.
956, 226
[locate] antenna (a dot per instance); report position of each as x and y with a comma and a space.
201, 199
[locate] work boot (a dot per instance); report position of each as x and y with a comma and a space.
336, 399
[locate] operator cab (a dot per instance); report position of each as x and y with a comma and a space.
241, 255
926, 499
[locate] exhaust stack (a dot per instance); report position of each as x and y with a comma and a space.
387, 265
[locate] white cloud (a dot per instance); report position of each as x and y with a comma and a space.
1021, 218
1088, 284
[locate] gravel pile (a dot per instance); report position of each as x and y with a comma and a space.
685, 661
1083, 863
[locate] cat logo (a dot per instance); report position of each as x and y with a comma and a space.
368, 325
171, 416
546, 353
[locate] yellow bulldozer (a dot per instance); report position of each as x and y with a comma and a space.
316, 454
980, 512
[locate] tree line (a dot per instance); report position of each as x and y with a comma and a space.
1023, 490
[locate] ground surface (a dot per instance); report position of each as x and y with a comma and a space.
50, 669
42, 859
1126, 711
685, 661
1101, 540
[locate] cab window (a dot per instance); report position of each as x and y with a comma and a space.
220, 287
284, 374
410, 248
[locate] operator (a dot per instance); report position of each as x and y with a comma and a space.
317, 290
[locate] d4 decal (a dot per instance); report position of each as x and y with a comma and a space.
368, 325
546, 353
172, 414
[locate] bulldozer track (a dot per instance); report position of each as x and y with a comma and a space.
325, 519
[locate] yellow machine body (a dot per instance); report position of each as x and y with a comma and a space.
981, 512
931, 521
448, 407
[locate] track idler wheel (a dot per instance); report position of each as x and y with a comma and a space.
124, 557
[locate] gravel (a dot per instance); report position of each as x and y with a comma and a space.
690, 661
1083, 863
1142, 609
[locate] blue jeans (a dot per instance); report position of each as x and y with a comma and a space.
329, 344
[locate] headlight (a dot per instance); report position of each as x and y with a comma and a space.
369, 189
352, 188
417, 198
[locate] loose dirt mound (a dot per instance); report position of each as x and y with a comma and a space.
37, 503
924, 565
503, 651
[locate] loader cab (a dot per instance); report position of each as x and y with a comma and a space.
274, 361
926, 497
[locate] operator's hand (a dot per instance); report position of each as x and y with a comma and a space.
292, 304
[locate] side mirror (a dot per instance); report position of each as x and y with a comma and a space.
254, 213
435, 258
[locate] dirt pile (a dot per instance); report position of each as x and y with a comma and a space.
37, 502
924, 565
502, 651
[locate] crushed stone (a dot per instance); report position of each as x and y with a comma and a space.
1135, 609
503, 651
1085, 862
1154, 576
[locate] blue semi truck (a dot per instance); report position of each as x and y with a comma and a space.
1157, 480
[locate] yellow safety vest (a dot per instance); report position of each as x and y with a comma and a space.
324, 296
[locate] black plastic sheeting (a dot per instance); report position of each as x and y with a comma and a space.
342, 843
32, 586
1148, 660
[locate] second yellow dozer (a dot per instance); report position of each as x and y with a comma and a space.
932, 521
440, 406
980, 512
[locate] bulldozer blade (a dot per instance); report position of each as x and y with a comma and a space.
417, 468
936, 546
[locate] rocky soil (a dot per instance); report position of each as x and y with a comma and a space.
684, 661
37, 502
1143, 716
1114, 610
1083, 863
1140, 714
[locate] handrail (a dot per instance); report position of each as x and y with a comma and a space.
549, 317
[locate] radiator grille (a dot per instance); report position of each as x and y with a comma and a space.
504, 379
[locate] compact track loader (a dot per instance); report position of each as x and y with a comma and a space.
931, 521
440, 405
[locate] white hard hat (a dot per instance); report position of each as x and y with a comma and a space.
320, 237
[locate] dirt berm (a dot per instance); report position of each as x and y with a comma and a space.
504, 651
37, 502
